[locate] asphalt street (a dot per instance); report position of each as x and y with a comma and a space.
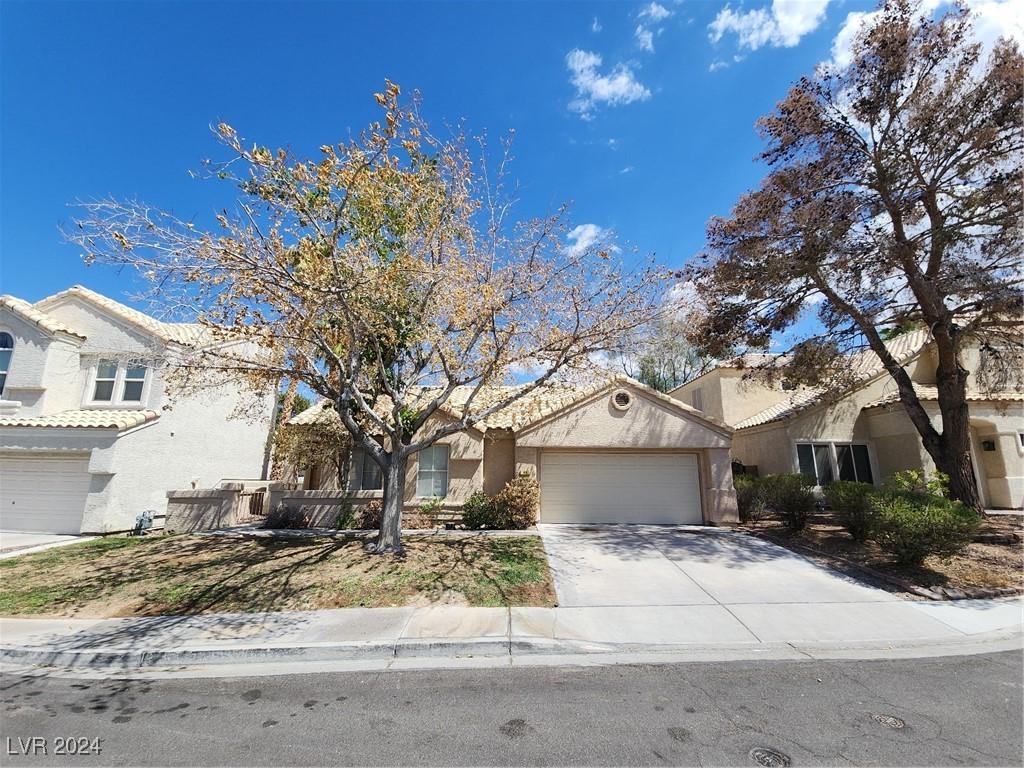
963, 710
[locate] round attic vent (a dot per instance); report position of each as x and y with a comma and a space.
622, 399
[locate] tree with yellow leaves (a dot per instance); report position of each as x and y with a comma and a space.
382, 275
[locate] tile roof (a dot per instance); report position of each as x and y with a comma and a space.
928, 392
35, 316
187, 334
863, 366
84, 419
532, 407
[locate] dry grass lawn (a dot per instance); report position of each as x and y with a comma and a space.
980, 565
158, 575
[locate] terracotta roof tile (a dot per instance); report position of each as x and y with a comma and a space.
84, 419
28, 312
187, 334
531, 407
927, 392
863, 365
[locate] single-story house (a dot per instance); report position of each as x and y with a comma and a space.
89, 436
614, 451
864, 433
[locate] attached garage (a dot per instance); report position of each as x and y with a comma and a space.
44, 494
619, 487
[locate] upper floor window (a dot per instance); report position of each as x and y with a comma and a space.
117, 383
432, 478
6, 351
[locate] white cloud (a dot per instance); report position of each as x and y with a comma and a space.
583, 237
614, 88
596, 25
992, 19
650, 15
717, 65
644, 38
654, 12
782, 25
627, 169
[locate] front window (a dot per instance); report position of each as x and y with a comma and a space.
823, 461
118, 383
432, 478
371, 479
854, 463
6, 351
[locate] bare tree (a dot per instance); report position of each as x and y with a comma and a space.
383, 275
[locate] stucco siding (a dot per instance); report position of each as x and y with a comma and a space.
499, 462
647, 423
766, 448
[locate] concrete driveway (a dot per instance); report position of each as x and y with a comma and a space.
626, 565
689, 584
19, 541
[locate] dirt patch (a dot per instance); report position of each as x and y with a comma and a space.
980, 566
204, 574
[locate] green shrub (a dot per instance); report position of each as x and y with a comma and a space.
791, 497
750, 500
911, 526
519, 501
346, 517
918, 481
481, 511
852, 502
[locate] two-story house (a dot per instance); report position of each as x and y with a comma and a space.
90, 436
864, 433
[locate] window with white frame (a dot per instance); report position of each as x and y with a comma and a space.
371, 478
118, 383
106, 377
6, 352
134, 380
824, 462
432, 475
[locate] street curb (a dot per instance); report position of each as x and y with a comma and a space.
461, 649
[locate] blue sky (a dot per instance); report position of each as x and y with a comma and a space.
635, 112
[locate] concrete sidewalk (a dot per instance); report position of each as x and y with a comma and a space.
455, 632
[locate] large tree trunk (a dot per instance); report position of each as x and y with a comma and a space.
953, 456
390, 537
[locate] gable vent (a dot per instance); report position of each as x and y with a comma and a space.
622, 399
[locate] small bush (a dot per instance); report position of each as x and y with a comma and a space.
918, 481
423, 518
519, 501
910, 526
346, 517
852, 502
290, 518
482, 511
791, 497
749, 498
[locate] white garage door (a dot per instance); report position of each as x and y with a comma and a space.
582, 487
43, 494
